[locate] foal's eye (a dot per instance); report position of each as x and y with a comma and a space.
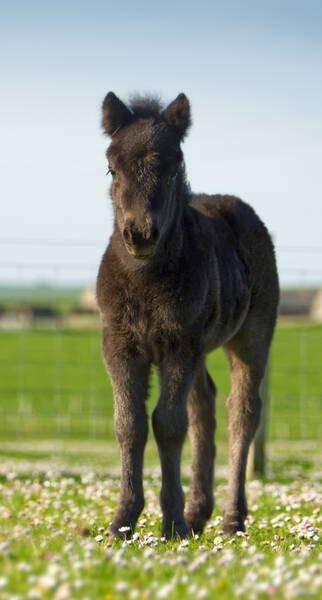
170, 178
110, 171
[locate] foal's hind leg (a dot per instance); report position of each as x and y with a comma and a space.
248, 355
201, 414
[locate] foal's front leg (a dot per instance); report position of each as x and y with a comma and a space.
129, 376
170, 423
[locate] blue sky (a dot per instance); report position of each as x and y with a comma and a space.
251, 69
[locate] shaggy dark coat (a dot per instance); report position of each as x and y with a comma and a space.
182, 275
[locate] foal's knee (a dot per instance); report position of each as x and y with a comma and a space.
169, 423
131, 429
244, 413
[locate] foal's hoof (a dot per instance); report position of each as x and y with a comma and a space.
196, 523
232, 524
176, 529
120, 532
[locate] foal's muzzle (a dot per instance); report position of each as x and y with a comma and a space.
140, 244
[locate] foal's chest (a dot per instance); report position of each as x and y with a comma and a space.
150, 314
157, 316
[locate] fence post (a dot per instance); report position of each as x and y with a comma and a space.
257, 452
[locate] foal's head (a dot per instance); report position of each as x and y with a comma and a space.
145, 160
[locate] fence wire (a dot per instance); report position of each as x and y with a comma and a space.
53, 382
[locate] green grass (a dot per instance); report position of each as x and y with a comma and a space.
54, 384
49, 520
59, 483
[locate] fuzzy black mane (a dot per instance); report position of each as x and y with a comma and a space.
145, 106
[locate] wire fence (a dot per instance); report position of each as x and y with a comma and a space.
52, 379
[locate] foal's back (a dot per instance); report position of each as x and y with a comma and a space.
236, 223
246, 277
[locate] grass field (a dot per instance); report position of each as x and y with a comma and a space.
54, 543
53, 384
59, 483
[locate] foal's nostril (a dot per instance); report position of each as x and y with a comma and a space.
127, 234
154, 234
136, 237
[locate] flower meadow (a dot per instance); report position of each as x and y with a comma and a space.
54, 542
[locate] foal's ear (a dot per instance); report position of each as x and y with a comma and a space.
177, 115
115, 114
